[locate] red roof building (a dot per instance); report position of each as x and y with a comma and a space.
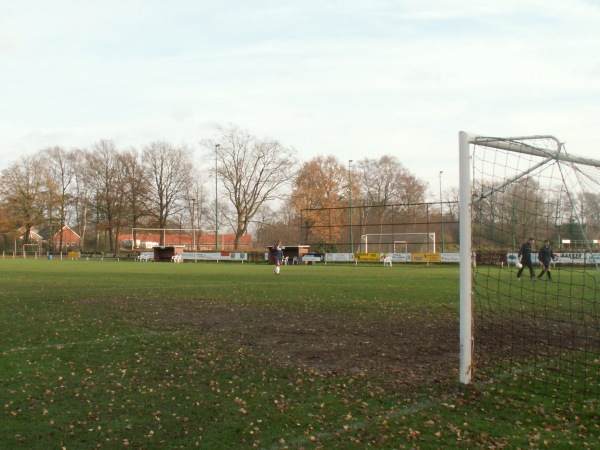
69, 239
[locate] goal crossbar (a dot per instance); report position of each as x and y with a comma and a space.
513, 145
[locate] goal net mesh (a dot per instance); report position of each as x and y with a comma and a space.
540, 336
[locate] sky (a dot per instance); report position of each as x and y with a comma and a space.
354, 79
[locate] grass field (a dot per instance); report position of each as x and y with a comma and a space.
107, 354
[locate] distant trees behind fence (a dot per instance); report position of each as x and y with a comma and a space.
238, 183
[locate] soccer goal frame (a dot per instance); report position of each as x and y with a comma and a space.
467, 199
429, 238
165, 233
34, 249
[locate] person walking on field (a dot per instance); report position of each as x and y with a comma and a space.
278, 254
546, 256
525, 258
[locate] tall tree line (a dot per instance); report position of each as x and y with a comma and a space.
103, 191
260, 188
379, 191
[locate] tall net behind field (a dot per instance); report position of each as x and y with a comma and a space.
538, 334
394, 228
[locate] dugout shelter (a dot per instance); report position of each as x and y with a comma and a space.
165, 253
293, 253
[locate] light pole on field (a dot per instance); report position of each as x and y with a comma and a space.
350, 196
193, 224
216, 199
442, 210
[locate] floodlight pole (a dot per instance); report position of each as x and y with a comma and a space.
194, 224
216, 199
442, 210
350, 188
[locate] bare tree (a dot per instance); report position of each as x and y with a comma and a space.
81, 191
380, 180
386, 182
136, 189
592, 213
452, 214
380, 185
60, 164
168, 173
252, 171
106, 181
25, 190
196, 205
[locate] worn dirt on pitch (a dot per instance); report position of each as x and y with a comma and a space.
414, 349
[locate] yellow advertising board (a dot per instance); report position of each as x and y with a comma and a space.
419, 257
433, 257
426, 257
367, 257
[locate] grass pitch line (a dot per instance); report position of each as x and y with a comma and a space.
88, 342
306, 440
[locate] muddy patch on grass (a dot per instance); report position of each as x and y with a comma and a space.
414, 349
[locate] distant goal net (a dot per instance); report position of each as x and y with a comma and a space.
399, 242
191, 239
536, 335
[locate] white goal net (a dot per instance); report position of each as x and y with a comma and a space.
535, 328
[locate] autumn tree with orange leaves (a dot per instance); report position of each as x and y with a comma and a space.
320, 197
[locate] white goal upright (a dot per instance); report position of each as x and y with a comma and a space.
536, 332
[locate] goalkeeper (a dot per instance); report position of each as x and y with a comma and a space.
545, 256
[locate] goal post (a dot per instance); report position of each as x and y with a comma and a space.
465, 256
540, 333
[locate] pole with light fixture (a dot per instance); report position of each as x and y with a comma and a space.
216, 199
442, 210
350, 197
193, 224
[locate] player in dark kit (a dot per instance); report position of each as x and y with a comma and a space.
278, 254
525, 258
546, 256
